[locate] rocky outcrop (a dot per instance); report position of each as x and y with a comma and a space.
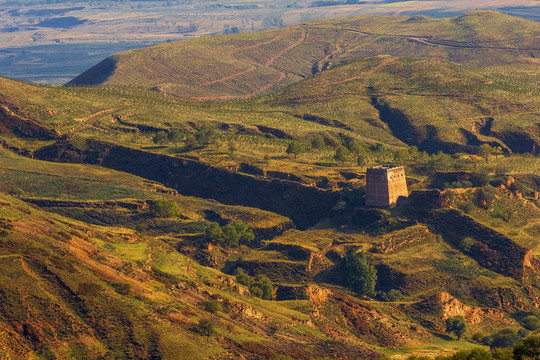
442, 306
401, 239
305, 205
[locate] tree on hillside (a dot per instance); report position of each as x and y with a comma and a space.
233, 147
160, 138
294, 148
236, 233
355, 147
529, 348
484, 151
342, 155
317, 142
207, 327
378, 147
175, 137
456, 325
205, 135
505, 338
213, 232
358, 274
165, 208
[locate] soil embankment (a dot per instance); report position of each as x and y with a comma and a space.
305, 205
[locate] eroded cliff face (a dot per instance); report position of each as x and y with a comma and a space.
491, 249
439, 307
13, 123
305, 205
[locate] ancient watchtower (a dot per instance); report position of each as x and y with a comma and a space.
384, 185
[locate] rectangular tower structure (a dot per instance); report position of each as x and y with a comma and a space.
384, 185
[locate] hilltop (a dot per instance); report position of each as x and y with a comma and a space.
250, 64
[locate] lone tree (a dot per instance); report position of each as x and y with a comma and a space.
205, 135
456, 325
342, 155
484, 151
165, 209
294, 148
207, 327
358, 274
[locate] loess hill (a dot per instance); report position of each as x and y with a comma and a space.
91, 270
245, 65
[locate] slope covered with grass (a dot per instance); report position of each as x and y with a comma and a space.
244, 65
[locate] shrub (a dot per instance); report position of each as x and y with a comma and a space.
484, 197
16, 192
505, 338
213, 306
243, 278
528, 349
259, 286
466, 206
160, 138
317, 142
467, 243
207, 327
531, 323
164, 208
377, 147
456, 325
392, 295
481, 177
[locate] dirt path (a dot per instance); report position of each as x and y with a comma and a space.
427, 40
269, 63
255, 65
89, 120
252, 65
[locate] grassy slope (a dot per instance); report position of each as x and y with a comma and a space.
253, 63
430, 93
427, 266
79, 291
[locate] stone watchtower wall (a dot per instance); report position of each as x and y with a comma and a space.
384, 185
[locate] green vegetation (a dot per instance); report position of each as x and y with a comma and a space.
456, 325
259, 286
232, 234
108, 267
213, 306
358, 274
164, 208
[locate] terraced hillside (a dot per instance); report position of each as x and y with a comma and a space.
135, 224
251, 64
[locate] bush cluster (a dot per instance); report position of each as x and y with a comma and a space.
232, 234
259, 286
